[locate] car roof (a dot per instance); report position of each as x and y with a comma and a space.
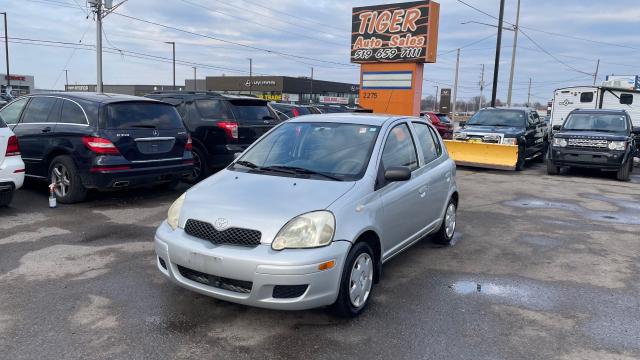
202, 95
351, 118
103, 98
600, 111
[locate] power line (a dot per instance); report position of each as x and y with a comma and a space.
289, 15
553, 56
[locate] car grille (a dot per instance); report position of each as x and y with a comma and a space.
492, 139
223, 283
588, 143
288, 291
230, 236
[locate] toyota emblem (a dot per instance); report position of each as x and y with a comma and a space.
221, 224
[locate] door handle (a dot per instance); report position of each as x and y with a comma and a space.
423, 191
47, 129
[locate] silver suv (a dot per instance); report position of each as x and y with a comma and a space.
308, 214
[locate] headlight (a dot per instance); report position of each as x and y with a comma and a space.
559, 142
510, 141
617, 145
459, 135
308, 230
173, 216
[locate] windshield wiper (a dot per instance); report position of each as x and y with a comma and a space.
299, 170
247, 164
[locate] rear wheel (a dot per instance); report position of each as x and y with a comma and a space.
68, 188
200, 168
448, 226
624, 173
356, 283
6, 197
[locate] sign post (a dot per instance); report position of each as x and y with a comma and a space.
392, 42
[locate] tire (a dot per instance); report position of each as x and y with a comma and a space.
6, 197
200, 167
359, 255
521, 158
64, 172
448, 226
552, 169
624, 173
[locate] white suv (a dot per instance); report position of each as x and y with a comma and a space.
11, 165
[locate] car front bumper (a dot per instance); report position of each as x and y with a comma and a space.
261, 267
600, 159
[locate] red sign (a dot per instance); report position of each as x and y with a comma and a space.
15, 78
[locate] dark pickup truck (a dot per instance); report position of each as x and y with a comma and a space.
600, 139
509, 126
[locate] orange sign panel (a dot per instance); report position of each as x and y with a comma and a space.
391, 88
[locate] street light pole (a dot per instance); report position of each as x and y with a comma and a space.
6, 52
513, 54
195, 79
311, 91
496, 66
455, 87
66, 78
173, 46
99, 45
250, 76
435, 100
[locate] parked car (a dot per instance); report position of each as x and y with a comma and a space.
333, 109
510, 126
309, 213
11, 165
220, 126
601, 139
441, 122
288, 111
80, 141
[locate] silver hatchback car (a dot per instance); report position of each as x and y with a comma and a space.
308, 214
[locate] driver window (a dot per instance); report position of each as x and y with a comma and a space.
399, 149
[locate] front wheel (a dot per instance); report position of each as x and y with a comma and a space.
624, 173
521, 158
356, 283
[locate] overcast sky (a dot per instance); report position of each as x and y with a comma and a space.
318, 29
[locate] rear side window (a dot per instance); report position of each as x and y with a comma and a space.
427, 144
213, 109
72, 113
250, 110
10, 114
38, 110
141, 114
586, 97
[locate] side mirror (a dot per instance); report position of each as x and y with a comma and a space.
397, 173
462, 123
557, 127
636, 130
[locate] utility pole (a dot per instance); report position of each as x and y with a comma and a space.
6, 53
66, 78
455, 86
529, 94
311, 91
173, 46
250, 76
595, 75
513, 54
496, 66
98, 5
481, 88
195, 79
435, 100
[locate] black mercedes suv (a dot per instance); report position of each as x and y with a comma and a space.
81, 141
220, 125
600, 139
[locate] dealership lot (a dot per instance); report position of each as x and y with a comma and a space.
543, 267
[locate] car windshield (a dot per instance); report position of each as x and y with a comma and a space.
330, 151
511, 118
142, 114
596, 122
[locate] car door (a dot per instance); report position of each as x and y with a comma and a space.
435, 172
34, 132
402, 201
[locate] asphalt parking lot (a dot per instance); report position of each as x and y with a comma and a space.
542, 268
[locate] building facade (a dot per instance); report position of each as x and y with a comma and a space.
137, 90
286, 89
20, 84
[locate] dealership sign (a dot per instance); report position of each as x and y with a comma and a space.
404, 32
333, 100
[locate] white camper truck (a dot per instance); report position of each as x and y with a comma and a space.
594, 97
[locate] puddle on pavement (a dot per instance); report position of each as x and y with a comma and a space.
626, 213
470, 287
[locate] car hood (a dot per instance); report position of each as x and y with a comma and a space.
257, 201
514, 131
592, 135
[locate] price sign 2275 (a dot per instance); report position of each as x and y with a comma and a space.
370, 95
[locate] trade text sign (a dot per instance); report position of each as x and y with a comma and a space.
404, 32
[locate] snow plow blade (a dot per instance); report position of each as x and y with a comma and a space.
483, 155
